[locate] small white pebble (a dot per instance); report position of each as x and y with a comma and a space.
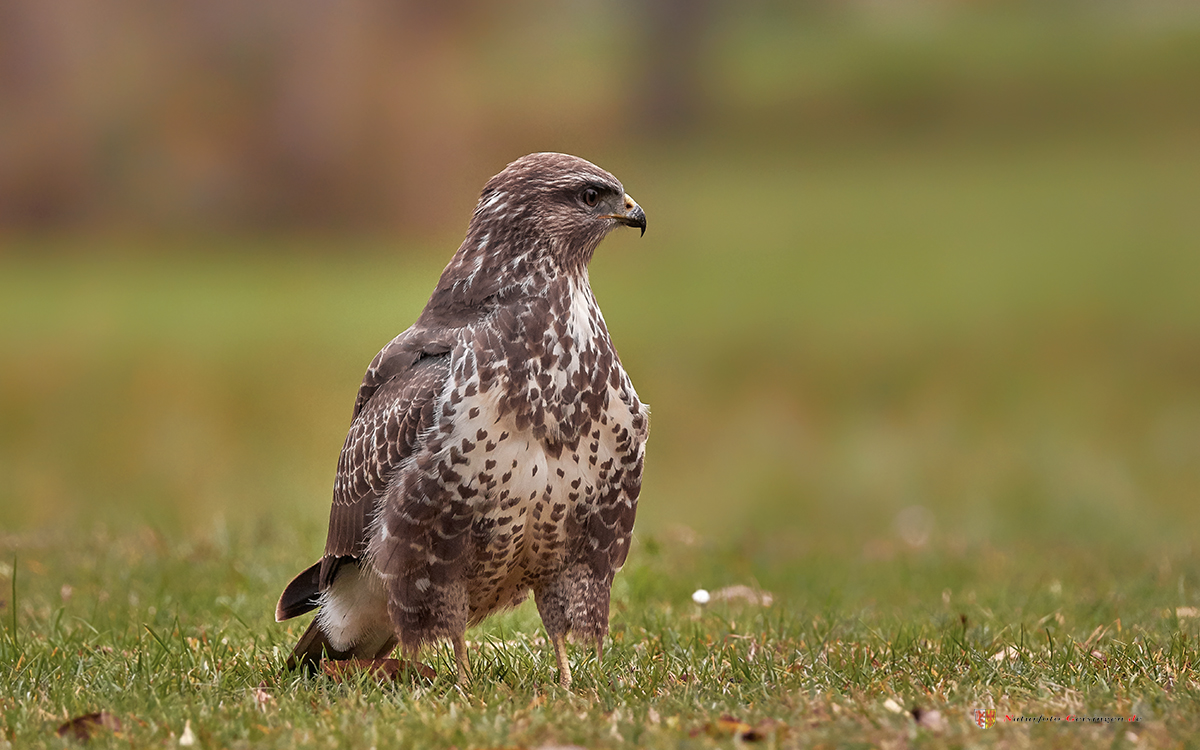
701, 596
187, 739
893, 706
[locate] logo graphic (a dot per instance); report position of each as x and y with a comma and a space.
985, 718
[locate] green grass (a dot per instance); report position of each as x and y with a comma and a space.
160, 634
941, 401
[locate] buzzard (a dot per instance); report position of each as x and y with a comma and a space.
496, 446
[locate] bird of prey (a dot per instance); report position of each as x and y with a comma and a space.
496, 446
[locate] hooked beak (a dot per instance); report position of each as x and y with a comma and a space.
632, 216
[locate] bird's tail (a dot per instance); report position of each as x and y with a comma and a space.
311, 647
314, 645
303, 595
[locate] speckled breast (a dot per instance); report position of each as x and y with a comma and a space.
546, 442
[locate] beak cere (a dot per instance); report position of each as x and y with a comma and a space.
633, 215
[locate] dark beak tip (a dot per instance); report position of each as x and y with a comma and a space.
634, 218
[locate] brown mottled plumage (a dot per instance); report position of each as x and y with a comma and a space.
496, 445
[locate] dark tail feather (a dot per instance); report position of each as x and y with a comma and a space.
301, 595
314, 645
311, 647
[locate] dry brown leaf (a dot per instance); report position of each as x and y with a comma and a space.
84, 727
762, 730
1008, 652
731, 725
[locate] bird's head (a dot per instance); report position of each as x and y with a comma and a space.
553, 202
539, 219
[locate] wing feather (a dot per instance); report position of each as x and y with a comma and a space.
396, 358
394, 407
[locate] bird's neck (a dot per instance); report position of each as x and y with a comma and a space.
484, 275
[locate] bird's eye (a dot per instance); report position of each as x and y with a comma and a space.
591, 197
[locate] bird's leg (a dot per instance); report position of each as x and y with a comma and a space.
460, 659
559, 640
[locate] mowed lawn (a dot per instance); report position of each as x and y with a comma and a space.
941, 402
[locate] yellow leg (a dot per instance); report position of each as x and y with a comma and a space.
460, 659
560, 656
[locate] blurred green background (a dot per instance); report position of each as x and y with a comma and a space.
918, 275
